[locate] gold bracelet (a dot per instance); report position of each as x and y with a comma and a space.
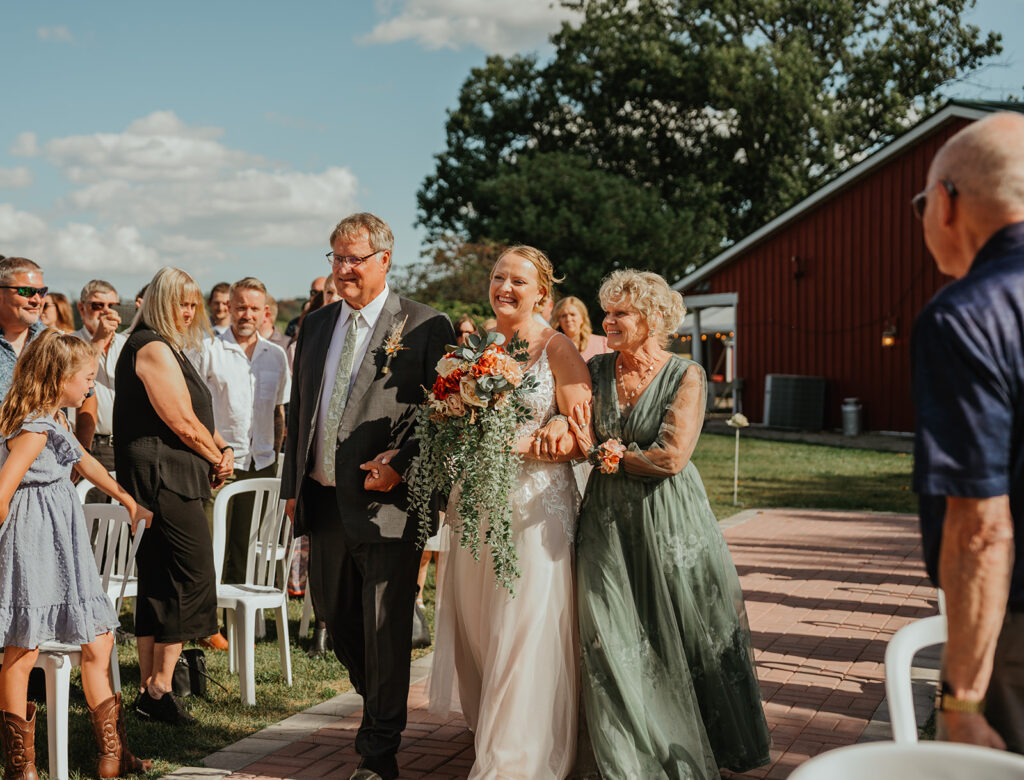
945, 701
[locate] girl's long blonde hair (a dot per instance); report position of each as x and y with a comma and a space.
40, 375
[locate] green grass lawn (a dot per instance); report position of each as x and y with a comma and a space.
772, 474
786, 474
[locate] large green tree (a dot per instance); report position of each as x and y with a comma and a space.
711, 116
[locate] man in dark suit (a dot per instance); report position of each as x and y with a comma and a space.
349, 445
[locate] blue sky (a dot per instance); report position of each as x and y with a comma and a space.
227, 138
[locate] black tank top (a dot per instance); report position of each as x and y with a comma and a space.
148, 455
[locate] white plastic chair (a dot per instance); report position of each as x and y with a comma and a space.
920, 761
899, 657
269, 530
83, 486
57, 660
110, 530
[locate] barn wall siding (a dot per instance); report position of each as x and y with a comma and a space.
864, 264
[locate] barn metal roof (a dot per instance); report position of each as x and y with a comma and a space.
954, 109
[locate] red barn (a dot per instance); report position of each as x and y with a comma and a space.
831, 287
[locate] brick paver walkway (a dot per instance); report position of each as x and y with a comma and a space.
824, 590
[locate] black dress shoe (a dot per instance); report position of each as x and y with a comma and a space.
320, 642
370, 768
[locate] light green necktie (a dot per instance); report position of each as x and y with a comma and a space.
339, 395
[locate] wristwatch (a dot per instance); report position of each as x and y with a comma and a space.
945, 701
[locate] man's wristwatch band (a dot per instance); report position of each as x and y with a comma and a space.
945, 701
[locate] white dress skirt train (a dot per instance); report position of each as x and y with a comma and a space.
511, 663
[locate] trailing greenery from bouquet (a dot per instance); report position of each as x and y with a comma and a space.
466, 432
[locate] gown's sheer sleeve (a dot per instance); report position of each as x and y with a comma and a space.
677, 437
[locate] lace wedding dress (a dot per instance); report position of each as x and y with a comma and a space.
510, 663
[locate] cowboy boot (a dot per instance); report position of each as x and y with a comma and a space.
18, 736
115, 759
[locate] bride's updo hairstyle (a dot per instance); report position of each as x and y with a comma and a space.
661, 307
546, 278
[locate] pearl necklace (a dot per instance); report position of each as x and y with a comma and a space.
643, 380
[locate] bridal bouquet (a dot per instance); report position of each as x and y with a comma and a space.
466, 432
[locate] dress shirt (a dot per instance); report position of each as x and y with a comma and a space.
370, 314
968, 371
245, 394
105, 380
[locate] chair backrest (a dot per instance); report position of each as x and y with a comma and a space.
921, 761
83, 486
270, 532
110, 528
899, 657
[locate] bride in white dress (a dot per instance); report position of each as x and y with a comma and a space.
511, 663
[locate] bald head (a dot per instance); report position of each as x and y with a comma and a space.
975, 188
985, 161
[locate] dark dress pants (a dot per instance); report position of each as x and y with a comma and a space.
365, 594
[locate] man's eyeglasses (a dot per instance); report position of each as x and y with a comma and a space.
353, 260
101, 305
26, 292
919, 201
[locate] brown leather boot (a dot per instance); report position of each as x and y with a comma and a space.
115, 759
18, 736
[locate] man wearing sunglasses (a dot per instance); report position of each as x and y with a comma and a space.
968, 369
21, 303
97, 306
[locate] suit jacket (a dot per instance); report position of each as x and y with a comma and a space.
380, 415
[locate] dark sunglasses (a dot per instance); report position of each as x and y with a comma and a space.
27, 292
101, 305
919, 201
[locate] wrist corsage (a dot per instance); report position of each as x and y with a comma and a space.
606, 456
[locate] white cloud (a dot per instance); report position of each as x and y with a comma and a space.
74, 246
496, 26
18, 228
164, 192
15, 178
60, 34
157, 147
25, 145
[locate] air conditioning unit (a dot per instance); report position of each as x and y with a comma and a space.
792, 401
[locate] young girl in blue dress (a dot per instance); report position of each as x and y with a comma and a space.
50, 589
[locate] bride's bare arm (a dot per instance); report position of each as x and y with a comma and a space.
555, 442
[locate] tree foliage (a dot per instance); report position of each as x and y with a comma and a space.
710, 117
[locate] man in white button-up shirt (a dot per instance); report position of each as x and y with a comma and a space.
249, 380
94, 424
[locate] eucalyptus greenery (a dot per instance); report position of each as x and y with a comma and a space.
470, 458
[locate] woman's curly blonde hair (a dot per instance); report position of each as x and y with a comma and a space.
661, 307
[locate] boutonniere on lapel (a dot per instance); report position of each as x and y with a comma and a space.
393, 343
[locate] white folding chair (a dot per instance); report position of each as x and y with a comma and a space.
920, 761
57, 660
899, 657
269, 530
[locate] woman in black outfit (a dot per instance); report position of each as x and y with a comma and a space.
168, 455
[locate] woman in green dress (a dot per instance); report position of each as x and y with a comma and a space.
669, 686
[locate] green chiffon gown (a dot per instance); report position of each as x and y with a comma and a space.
668, 680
